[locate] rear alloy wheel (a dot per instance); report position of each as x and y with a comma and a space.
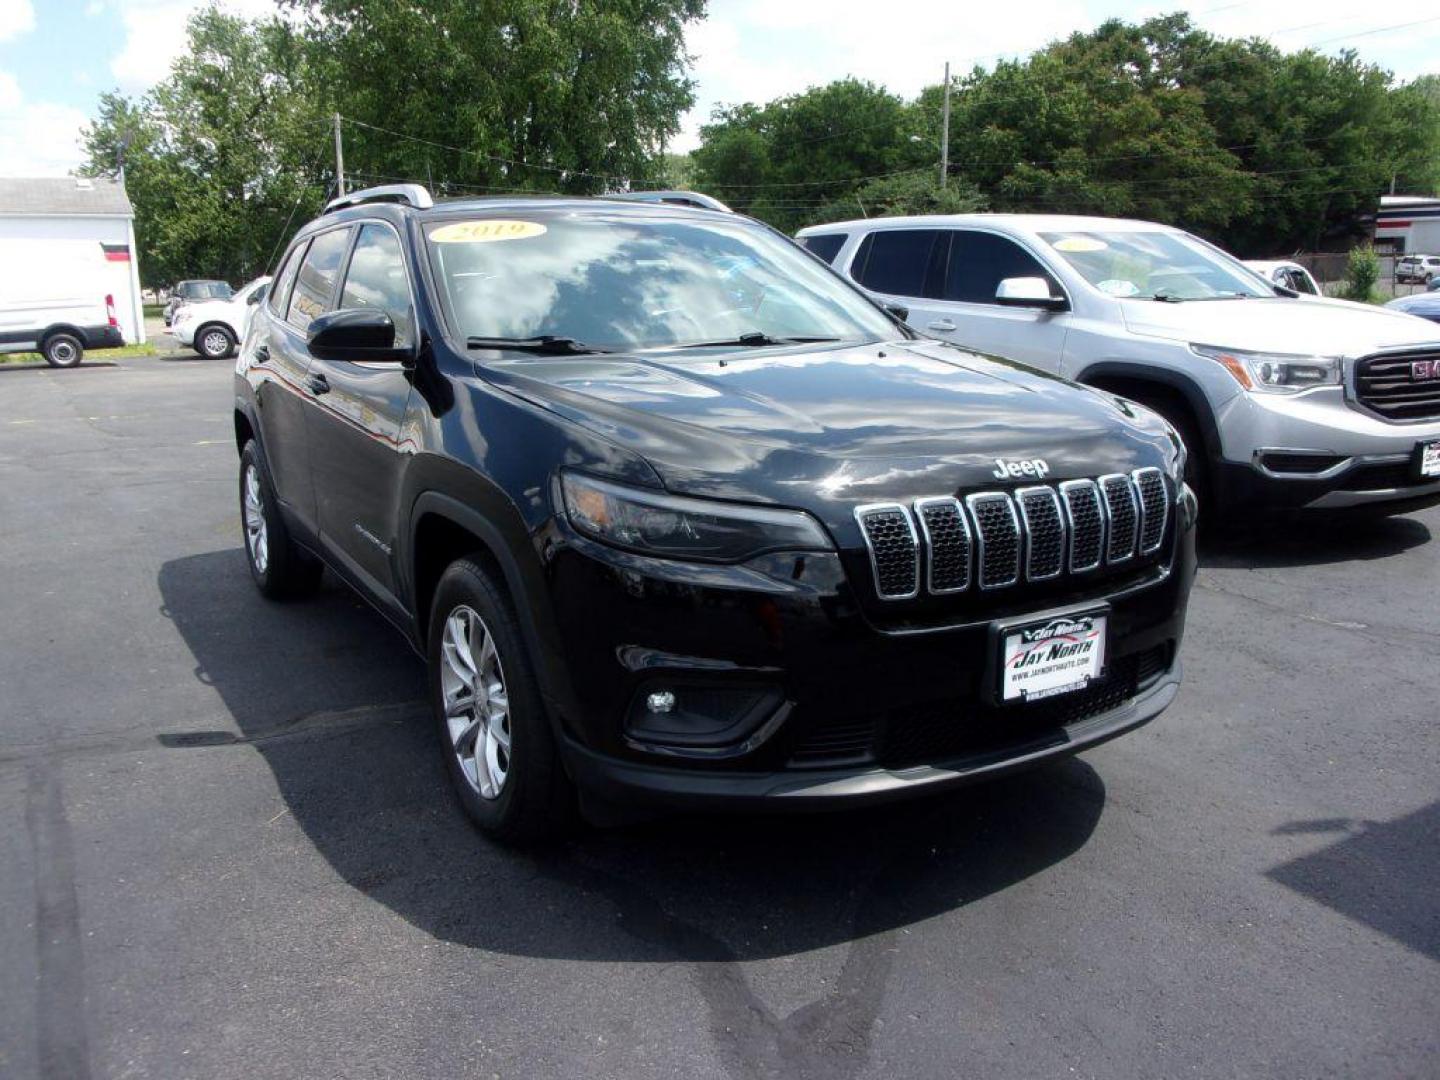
62, 350
281, 568
214, 342
494, 731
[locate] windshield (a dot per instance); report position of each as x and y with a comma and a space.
207, 290
629, 282
1154, 266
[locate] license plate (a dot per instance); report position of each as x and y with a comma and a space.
1429, 453
1057, 655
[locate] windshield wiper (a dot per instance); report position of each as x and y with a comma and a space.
755, 339
1167, 297
548, 344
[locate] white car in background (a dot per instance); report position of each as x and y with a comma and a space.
1287, 274
214, 327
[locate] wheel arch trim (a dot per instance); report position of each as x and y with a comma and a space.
1186, 387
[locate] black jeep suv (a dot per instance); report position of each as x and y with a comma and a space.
676, 514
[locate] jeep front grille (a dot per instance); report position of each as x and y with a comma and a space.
894, 549
1085, 515
996, 539
1387, 384
1154, 508
997, 529
1122, 509
946, 535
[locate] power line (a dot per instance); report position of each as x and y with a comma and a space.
511, 162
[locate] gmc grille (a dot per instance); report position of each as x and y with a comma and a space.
995, 539
1386, 385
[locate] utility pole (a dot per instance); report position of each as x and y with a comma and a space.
339, 160
945, 131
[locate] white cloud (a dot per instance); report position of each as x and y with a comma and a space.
36, 138
16, 17
755, 50
93, 8
155, 36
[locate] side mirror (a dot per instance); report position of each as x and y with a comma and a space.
1029, 292
357, 335
256, 296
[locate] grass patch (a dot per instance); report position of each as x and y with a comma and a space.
124, 352
153, 311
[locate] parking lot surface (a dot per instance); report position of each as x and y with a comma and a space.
232, 851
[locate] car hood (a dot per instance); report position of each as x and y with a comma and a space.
830, 427
1279, 324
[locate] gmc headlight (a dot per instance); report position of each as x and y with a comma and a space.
1274, 373
676, 527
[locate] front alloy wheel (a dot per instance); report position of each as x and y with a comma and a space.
477, 706
490, 718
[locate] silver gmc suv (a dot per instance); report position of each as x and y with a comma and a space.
1284, 401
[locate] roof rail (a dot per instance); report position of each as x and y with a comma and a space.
677, 198
411, 194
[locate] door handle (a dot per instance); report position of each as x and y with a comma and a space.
318, 384
941, 324
262, 353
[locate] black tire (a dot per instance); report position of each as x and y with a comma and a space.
62, 350
285, 571
535, 799
214, 342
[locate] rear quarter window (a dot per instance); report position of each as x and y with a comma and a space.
825, 246
280, 287
315, 284
898, 262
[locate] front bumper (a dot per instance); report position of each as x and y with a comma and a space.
837, 707
184, 333
631, 782
1340, 456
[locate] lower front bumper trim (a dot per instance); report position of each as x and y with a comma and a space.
628, 782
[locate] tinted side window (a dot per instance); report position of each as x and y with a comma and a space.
280, 287
897, 261
376, 279
825, 247
980, 261
315, 283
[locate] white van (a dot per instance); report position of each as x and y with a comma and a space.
56, 299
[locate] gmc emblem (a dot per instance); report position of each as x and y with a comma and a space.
1424, 370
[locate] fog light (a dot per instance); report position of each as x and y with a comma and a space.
662, 701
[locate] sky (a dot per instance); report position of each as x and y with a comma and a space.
57, 56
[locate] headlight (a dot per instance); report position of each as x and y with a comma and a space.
1274, 373
675, 527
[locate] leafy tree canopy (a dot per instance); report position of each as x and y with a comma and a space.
225, 157
1263, 151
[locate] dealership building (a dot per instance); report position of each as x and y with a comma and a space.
1408, 223
90, 219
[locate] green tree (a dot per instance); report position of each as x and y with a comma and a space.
220, 154
787, 160
555, 95
1362, 274
906, 193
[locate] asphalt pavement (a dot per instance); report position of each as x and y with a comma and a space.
232, 852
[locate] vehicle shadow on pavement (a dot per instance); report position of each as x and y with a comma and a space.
1311, 539
332, 698
40, 365
1373, 873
